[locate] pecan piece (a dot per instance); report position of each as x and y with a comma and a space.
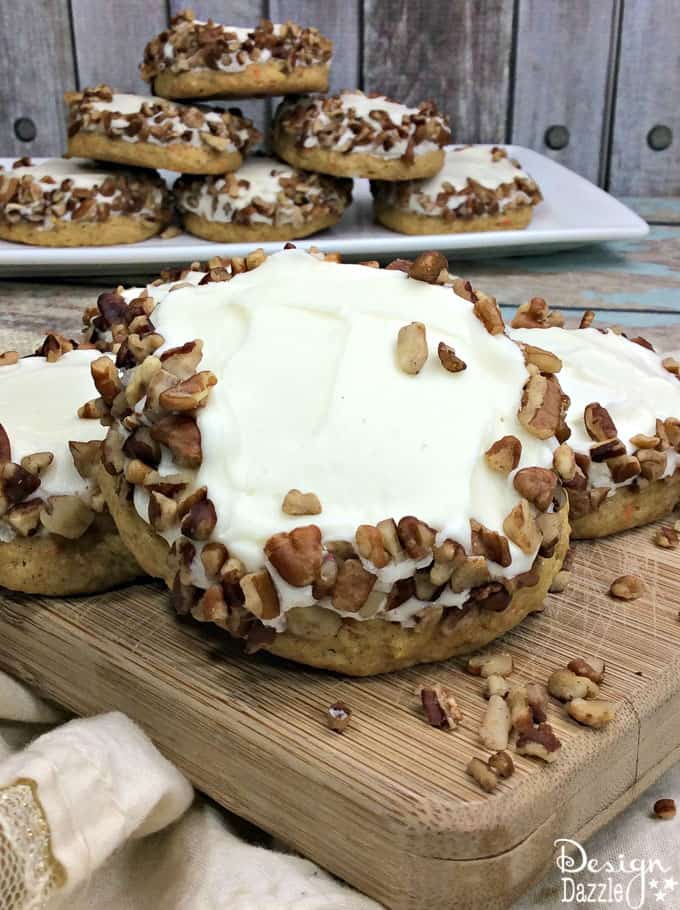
521, 715
37, 463
200, 520
483, 774
587, 319
623, 468
297, 503
501, 763
181, 435
504, 455
183, 361
428, 266
106, 379
488, 312
447, 557
86, 456
338, 716
521, 528
665, 808
536, 315
545, 361
5, 447
566, 685
352, 587
599, 423
189, 394
296, 555
112, 456
416, 537
627, 587
141, 445
260, 595
162, 511
593, 668
369, 543
412, 348
652, 463
539, 742
666, 538
609, 448
495, 728
564, 462
540, 411
16, 484
440, 706
594, 712
537, 485
485, 665
490, 544
212, 606
449, 360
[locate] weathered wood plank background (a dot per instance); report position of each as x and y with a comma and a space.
585, 81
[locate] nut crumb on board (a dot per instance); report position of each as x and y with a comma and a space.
338, 716
440, 706
627, 587
664, 808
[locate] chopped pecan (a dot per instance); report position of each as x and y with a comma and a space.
672, 427
560, 582
412, 348
5, 447
594, 712
449, 360
623, 468
141, 445
297, 503
463, 288
565, 685
189, 394
67, 516
390, 538
671, 364
483, 774
447, 556
537, 485
37, 463
352, 587
501, 763
140, 379
545, 361
471, 572
593, 668
485, 665
106, 379
86, 456
496, 685
521, 714
162, 511
627, 587
493, 596
181, 435
537, 696
428, 266
490, 544
113, 308
664, 441
260, 595
652, 463
587, 319
536, 315
141, 347
232, 571
540, 412
488, 312
599, 423
416, 537
183, 361
495, 728
328, 574
504, 455
609, 448
539, 742
112, 456
521, 527
137, 472
665, 808
200, 520
338, 716
24, 517
666, 538
440, 706
564, 462
369, 543
212, 606
94, 409
296, 555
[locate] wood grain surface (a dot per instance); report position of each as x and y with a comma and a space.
455, 53
110, 39
250, 731
36, 68
557, 88
647, 92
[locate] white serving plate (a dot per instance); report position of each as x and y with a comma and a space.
574, 212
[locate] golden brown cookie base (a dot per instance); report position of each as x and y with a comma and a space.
372, 646
629, 508
177, 156
224, 232
355, 164
56, 567
258, 79
415, 223
116, 229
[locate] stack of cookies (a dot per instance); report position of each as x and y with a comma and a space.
320, 141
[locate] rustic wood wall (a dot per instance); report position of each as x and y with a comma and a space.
592, 83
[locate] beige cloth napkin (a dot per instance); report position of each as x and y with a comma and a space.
92, 817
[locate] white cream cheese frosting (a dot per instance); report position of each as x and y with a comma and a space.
39, 402
309, 396
84, 173
624, 377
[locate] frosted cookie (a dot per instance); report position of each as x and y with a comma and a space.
284, 489
75, 202
152, 132
56, 537
478, 189
195, 59
619, 455
263, 200
358, 135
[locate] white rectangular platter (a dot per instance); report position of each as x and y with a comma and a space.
574, 212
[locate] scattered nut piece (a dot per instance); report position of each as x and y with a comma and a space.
537, 485
496, 685
412, 348
593, 668
9, 358
485, 665
593, 712
664, 808
587, 319
428, 266
504, 455
37, 463
560, 582
338, 716
537, 696
665, 537
496, 725
540, 410
640, 441
441, 707
599, 424
521, 715
566, 685
539, 742
564, 462
297, 503
449, 360
627, 587
545, 361
483, 774
501, 763
488, 312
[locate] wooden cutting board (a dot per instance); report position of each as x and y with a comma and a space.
387, 805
